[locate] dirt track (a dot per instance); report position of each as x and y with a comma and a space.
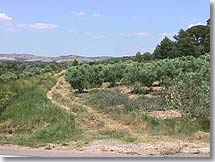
143, 149
63, 88
106, 148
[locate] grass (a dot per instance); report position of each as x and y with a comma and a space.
119, 135
58, 132
177, 127
31, 118
109, 100
131, 112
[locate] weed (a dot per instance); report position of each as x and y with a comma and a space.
124, 136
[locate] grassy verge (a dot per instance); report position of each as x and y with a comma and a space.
31, 119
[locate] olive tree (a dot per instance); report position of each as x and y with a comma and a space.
113, 73
78, 77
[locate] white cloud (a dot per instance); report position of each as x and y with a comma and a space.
43, 26
81, 13
39, 26
22, 25
199, 23
141, 34
5, 17
137, 34
96, 14
95, 35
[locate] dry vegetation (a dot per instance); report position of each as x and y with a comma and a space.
102, 130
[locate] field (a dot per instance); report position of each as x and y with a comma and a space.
122, 115
151, 104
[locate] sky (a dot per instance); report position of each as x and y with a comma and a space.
94, 27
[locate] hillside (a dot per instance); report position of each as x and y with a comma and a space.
33, 58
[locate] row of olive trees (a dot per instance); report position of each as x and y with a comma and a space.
88, 76
10, 71
129, 73
186, 79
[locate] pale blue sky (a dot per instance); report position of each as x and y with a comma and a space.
94, 27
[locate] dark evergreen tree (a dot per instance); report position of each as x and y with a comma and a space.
139, 57
165, 49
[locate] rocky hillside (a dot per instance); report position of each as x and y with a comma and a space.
33, 58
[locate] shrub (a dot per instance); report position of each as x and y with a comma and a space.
191, 94
8, 77
78, 77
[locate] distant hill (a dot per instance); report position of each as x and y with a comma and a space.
33, 58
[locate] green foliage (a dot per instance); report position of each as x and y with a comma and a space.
58, 133
191, 95
179, 126
4, 99
131, 73
84, 76
147, 56
75, 63
113, 73
187, 77
144, 73
201, 34
195, 41
139, 57
77, 76
147, 74
95, 76
166, 49
13, 70
30, 117
120, 135
7, 77
190, 89
138, 88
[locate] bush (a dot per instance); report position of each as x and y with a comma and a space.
113, 73
8, 77
4, 99
84, 76
78, 77
137, 88
191, 94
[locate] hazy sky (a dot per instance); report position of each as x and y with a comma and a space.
94, 27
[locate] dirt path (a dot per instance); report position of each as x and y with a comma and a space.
62, 88
54, 90
177, 147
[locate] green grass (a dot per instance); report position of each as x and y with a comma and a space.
119, 135
174, 127
31, 118
58, 132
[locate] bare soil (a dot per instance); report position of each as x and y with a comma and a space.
138, 149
